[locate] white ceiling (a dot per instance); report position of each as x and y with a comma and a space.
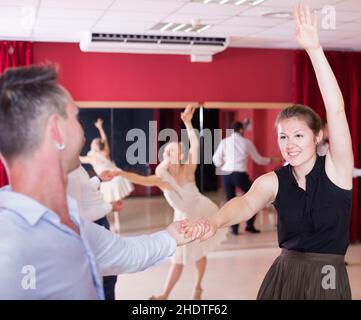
65, 20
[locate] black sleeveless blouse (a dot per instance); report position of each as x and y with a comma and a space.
316, 220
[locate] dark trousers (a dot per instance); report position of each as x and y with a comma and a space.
242, 181
108, 281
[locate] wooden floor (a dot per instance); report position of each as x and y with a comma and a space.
235, 270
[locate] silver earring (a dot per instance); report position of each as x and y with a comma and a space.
60, 146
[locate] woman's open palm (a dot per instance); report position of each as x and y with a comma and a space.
306, 27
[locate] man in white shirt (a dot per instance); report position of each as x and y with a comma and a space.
85, 191
47, 251
93, 208
231, 157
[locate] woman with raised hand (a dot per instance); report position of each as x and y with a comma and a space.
312, 194
99, 158
177, 180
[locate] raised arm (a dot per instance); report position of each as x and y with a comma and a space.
340, 152
186, 117
99, 125
263, 191
147, 181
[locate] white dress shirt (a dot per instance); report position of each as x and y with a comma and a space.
41, 258
86, 192
232, 154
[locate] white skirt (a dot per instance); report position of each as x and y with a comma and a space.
116, 189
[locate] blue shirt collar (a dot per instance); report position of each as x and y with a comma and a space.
28, 208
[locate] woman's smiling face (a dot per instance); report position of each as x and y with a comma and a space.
296, 141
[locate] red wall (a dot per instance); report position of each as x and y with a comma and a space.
252, 75
246, 75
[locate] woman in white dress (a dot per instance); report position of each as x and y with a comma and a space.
99, 158
177, 180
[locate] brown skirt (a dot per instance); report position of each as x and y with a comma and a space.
306, 276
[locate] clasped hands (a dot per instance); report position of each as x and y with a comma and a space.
108, 175
186, 231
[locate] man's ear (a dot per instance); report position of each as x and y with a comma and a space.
54, 129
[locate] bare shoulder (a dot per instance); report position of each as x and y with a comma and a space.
268, 178
267, 184
262, 193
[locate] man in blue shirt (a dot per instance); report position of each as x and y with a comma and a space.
46, 250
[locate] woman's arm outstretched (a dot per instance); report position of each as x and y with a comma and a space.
146, 181
239, 209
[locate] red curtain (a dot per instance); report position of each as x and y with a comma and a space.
13, 54
347, 68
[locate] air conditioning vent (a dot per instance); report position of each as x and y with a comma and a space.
205, 47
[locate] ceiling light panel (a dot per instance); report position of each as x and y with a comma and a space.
170, 27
